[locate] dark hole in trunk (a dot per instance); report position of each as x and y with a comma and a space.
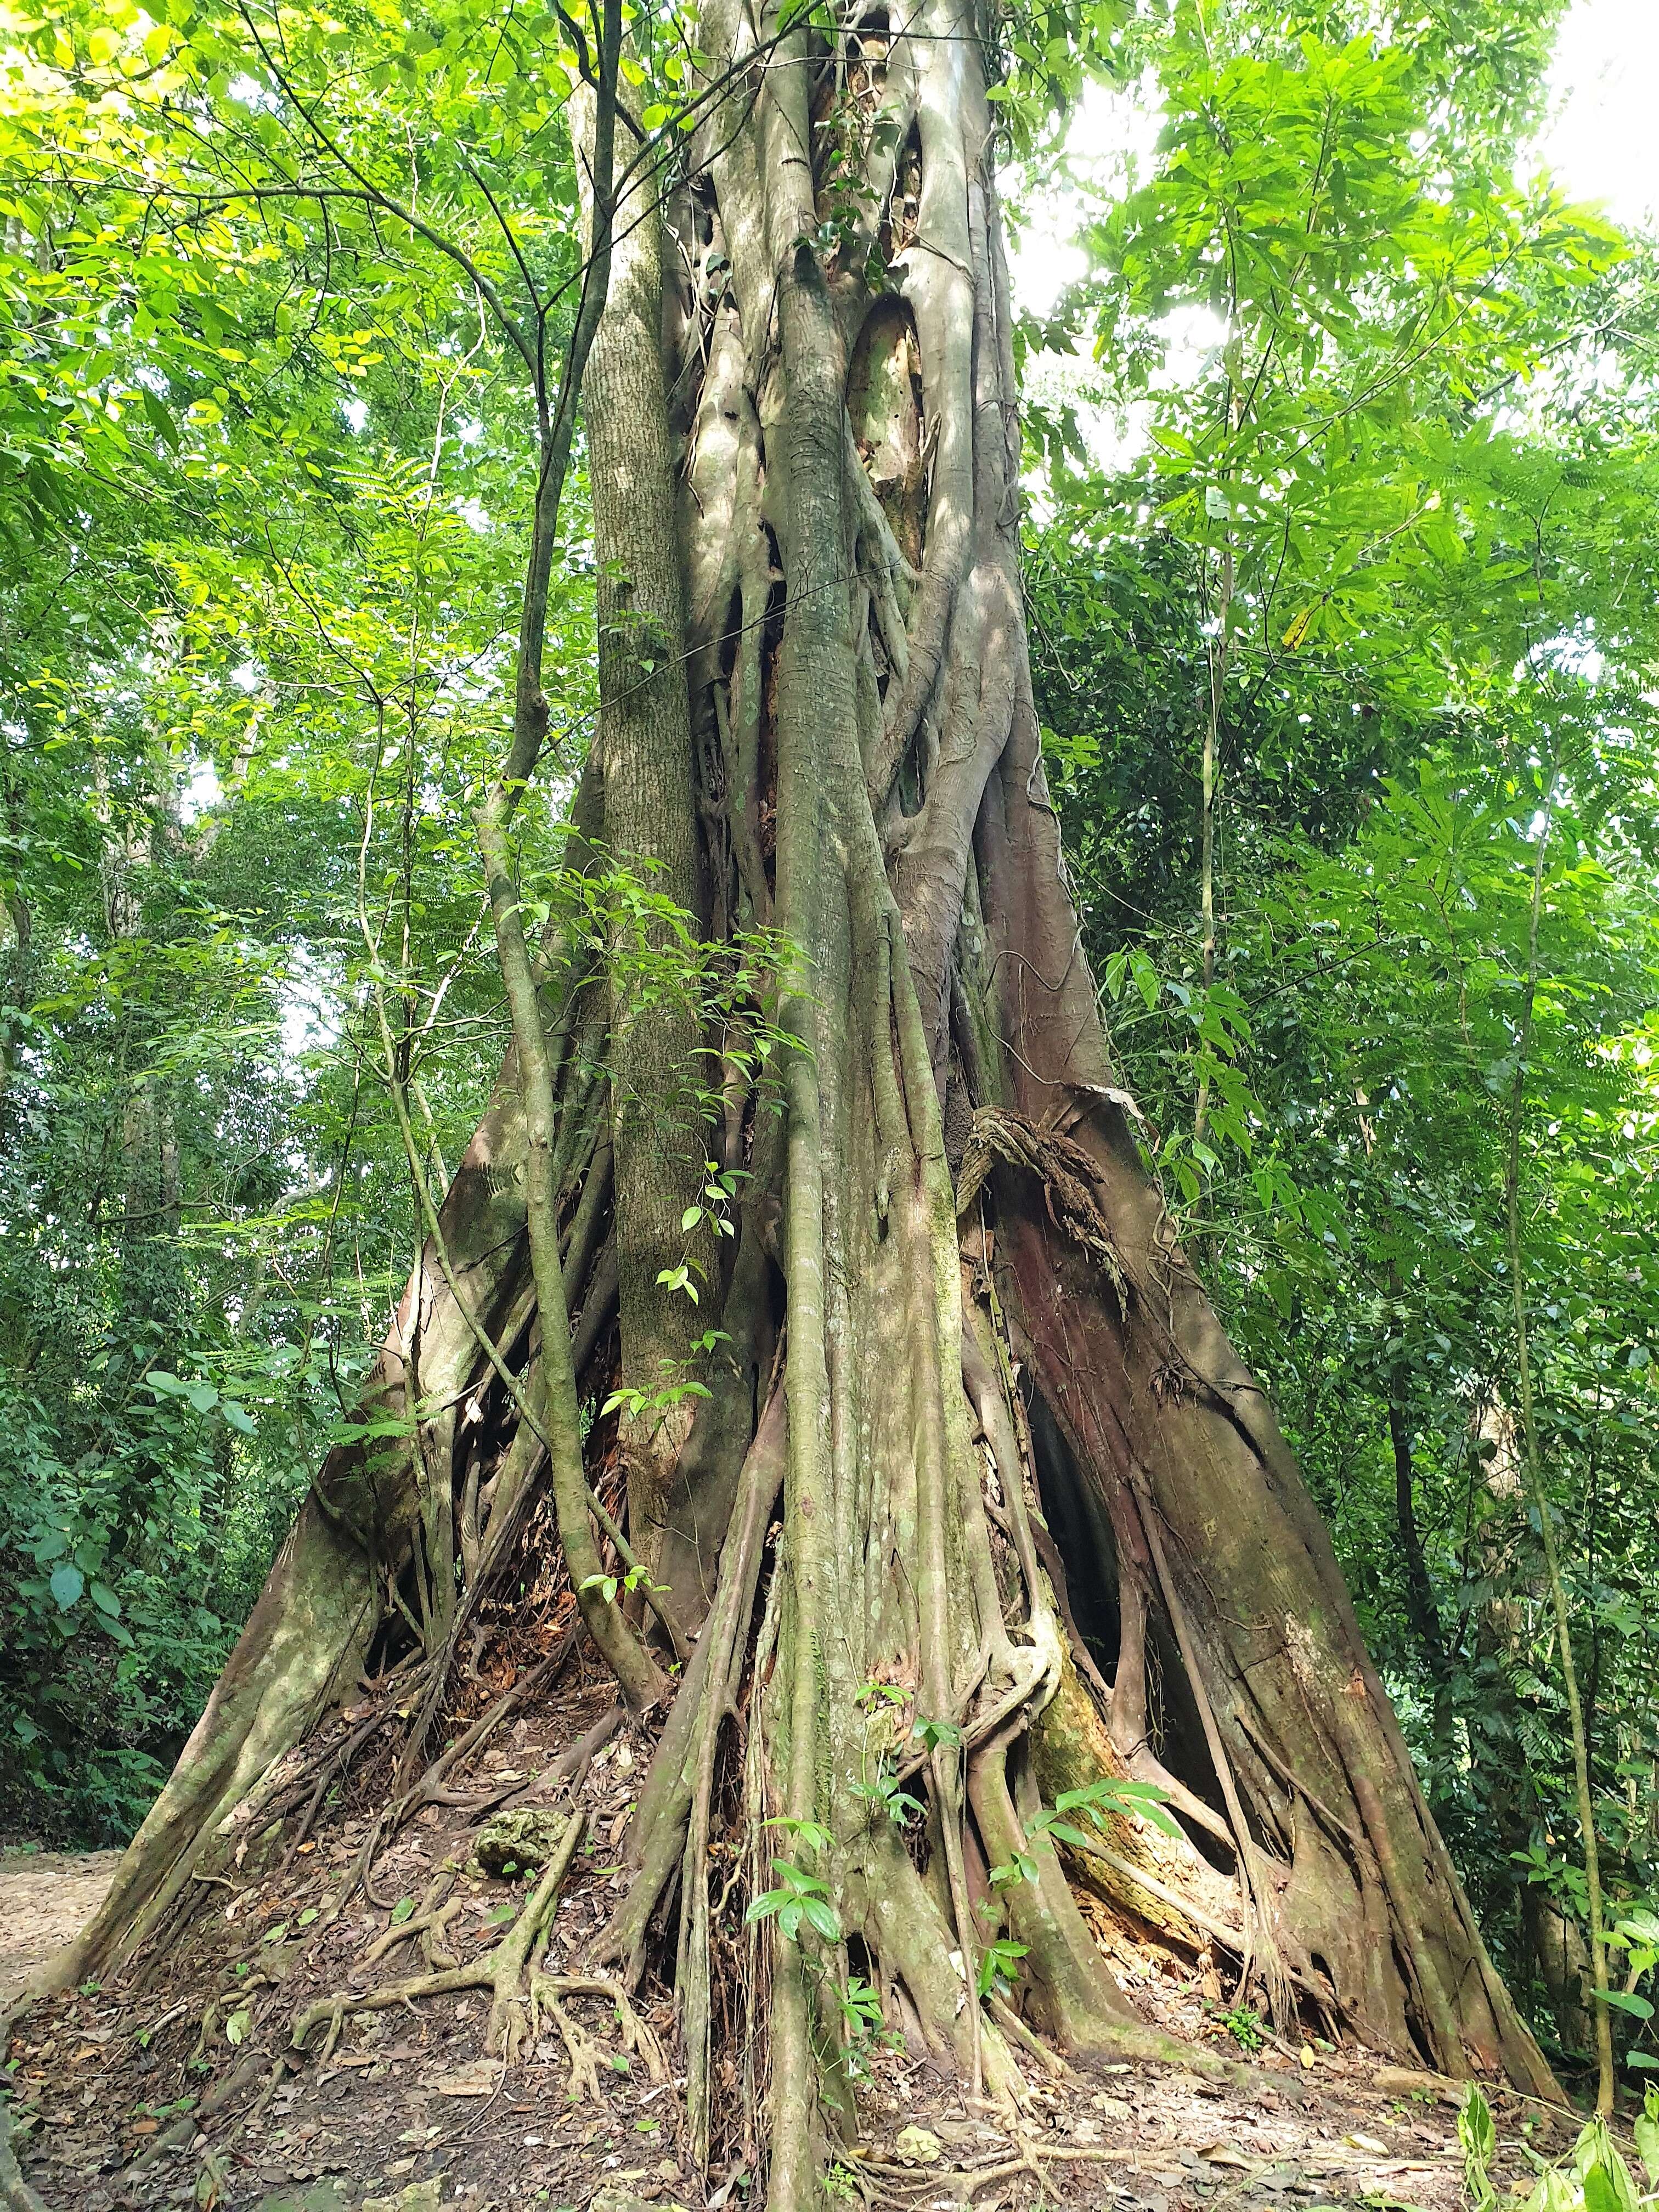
1083, 1534
394, 1640
1081, 1527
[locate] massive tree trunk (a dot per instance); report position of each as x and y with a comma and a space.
1033, 1524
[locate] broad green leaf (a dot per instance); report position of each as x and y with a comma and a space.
67, 1584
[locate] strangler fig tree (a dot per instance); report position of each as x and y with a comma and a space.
979, 1509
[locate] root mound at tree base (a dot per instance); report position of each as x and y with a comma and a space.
408, 2092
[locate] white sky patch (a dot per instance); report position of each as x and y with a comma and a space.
1578, 656
200, 793
310, 1010
1600, 141
1192, 337
356, 414
1109, 148
251, 93
474, 513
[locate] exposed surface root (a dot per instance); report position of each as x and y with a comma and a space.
355, 2076
501, 1971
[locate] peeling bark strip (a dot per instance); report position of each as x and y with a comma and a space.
1037, 1528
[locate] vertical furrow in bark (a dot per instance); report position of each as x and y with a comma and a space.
984, 653
730, 577
938, 281
815, 695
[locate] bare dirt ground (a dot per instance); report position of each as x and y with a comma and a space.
181, 2085
44, 1897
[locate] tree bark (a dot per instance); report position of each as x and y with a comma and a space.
656, 1079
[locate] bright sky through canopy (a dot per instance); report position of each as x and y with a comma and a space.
1600, 140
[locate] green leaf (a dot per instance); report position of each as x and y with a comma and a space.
1646, 2132
1554, 2193
813, 1834
402, 1910
1607, 2184
67, 1584
1479, 2138
1068, 1834
822, 1915
160, 413
237, 2025
1628, 2001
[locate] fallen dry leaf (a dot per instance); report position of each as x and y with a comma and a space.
471, 2083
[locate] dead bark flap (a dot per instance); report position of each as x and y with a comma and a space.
1064, 1171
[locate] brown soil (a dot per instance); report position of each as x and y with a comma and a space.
180, 2086
45, 1897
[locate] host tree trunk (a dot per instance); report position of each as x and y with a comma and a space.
982, 1506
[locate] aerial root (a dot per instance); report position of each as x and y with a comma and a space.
966, 2182
344, 2006
1012, 2025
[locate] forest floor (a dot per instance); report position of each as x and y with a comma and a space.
180, 2086
45, 1897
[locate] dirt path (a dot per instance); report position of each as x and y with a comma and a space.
44, 1897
